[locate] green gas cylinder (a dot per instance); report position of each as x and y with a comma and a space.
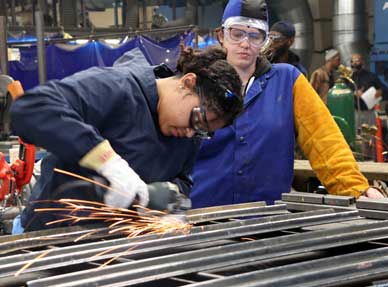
340, 101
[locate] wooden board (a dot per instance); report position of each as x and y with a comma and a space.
371, 170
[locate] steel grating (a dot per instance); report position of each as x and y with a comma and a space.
276, 239
332, 271
150, 269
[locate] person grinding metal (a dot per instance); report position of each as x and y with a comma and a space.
281, 108
127, 125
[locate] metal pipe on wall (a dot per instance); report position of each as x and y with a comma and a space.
41, 47
54, 12
3, 45
116, 13
350, 30
3, 38
13, 16
131, 14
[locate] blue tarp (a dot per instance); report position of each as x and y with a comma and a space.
62, 62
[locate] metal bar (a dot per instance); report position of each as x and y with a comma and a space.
13, 16
224, 207
373, 214
3, 8
375, 204
239, 213
116, 13
33, 13
41, 46
3, 46
83, 12
116, 34
41, 238
161, 267
173, 4
338, 200
71, 255
296, 206
303, 197
144, 10
54, 12
332, 271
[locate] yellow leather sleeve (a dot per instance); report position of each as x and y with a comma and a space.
323, 143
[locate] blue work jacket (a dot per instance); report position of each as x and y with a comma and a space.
251, 160
71, 116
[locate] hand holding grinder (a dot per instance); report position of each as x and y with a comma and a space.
127, 186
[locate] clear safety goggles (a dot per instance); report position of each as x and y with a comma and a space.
237, 35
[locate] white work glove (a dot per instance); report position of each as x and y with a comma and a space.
125, 183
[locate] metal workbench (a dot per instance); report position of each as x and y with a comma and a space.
238, 245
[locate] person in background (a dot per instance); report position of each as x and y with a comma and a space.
253, 158
322, 79
364, 80
127, 125
282, 37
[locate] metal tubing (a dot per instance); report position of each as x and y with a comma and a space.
119, 34
296, 206
54, 12
333, 271
338, 200
41, 238
375, 204
161, 267
116, 13
3, 46
237, 213
41, 46
224, 207
13, 16
71, 255
373, 214
69, 234
303, 197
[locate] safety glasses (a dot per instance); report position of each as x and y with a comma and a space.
276, 38
236, 35
198, 119
199, 123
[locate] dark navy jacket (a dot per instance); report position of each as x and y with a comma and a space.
71, 116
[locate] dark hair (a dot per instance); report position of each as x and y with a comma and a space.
216, 80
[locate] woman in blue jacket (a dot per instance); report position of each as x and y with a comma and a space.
252, 159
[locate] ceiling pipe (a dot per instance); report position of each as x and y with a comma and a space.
350, 29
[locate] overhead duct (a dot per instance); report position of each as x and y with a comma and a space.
350, 30
298, 13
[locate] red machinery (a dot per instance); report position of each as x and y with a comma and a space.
19, 173
14, 176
